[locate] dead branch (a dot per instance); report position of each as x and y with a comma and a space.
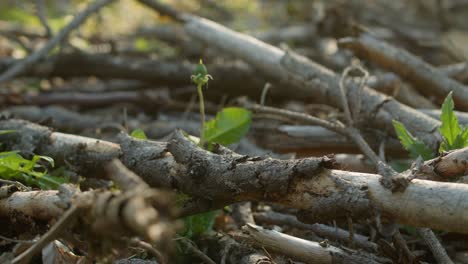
229, 251
64, 222
196, 251
22, 65
325, 231
458, 71
305, 250
391, 84
306, 184
433, 243
447, 167
426, 78
461, 116
153, 98
139, 211
314, 140
41, 14
42, 205
57, 117
231, 78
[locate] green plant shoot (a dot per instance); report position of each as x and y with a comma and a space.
201, 77
138, 134
229, 126
412, 144
454, 136
14, 167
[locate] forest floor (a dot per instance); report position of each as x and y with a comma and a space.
239, 131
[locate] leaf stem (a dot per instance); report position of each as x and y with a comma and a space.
202, 115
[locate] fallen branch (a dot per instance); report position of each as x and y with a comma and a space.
331, 233
305, 250
235, 79
321, 194
425, 77
22, 65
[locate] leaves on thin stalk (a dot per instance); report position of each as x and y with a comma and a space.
138, 134
230, 125
410, 143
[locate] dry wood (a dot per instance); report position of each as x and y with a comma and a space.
139, 211
331, 233
391, 84
458, 71
42, 205
431, 240
22, 65
305, 250
305, 184
231, 78
426, 78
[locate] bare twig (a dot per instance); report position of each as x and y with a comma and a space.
434, 244
41, 14
425, 76
17, 240
321, 230
264, 93
190, 245
305, 250
401, 244
123, 177
148, 247
335, 126
55, 231
22, 65
344, 101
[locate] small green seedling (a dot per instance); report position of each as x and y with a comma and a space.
14, 167
229, 126
453, 135
31, 172
138, 134
201, 77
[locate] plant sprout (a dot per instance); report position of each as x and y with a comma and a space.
201, 77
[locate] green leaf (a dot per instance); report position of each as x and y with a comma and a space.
230, 125
14, 167
138, 133
460, 141
199, 224
450, 128
413, 145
